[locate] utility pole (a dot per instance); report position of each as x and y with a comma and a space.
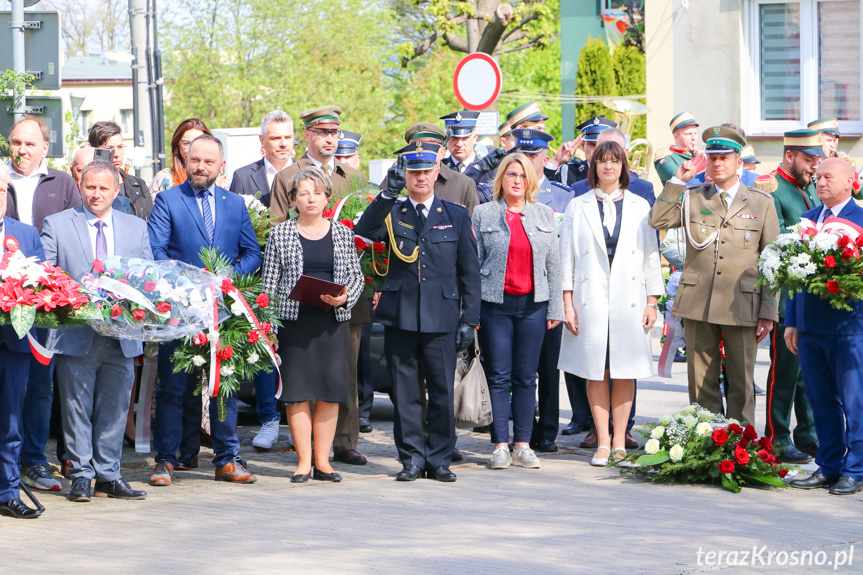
17, 25
140, 96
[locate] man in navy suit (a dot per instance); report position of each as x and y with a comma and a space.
830, 345
184, 219
14, 369
277, 142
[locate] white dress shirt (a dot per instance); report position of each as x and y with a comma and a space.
272, 172
836, 210
463, 165
108, 230
427, 204
25, 190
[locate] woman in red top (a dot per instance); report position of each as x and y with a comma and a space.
521, 298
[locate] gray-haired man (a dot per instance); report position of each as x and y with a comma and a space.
277, 142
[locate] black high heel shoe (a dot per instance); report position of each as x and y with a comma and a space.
300, 478
319, 475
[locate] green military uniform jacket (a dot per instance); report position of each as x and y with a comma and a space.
717, 284
668, 160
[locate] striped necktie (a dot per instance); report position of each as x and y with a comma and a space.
207, 213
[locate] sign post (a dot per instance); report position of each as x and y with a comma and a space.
477, 81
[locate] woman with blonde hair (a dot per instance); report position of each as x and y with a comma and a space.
521, 298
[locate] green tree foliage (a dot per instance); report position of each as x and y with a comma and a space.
630, 75
595, 77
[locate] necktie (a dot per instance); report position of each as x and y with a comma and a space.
724, 197
461, 167
101, 241
326, 168
422, 214
207, 213
828, 213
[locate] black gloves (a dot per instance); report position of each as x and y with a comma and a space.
492, 160
464, 337
396, 178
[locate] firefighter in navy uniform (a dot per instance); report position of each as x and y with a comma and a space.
429, 306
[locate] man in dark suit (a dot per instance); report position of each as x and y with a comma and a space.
829, 343
429, 306
109, 135
277, 141
95, 373
322, 135
14, 370
185, 219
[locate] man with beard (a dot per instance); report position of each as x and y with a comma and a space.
793, 193
684, 128
184, 219
322, 127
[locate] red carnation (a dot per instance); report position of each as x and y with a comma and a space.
368, 280
98, 266
225, 353
380, 247
726, 466
720, 436
830, 262
116, 311
782, 473
750, 433
741, 455
227, 285
200, 339
163, 306
735, 429
149, 286
263, 300
138, 314
832, 286
253, 336
370, 199
347, 222
843, 241
266, 327
766, 443
744, 443
360, 244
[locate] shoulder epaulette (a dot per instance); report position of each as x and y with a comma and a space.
660, 153
766, 184
452, 203
562, 186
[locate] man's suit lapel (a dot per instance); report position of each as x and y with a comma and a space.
194, 210
259, 177
740, 201
80, 222
848, 209
434, 216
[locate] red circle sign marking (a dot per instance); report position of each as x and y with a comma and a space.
477, 81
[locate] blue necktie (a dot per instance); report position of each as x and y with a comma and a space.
101, 241
207, 213
828, 213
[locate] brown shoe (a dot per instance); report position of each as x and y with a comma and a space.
65, 467
591, 440
351, 456
234, 472
631, 442
162, 474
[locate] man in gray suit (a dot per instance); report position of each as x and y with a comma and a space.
94, 373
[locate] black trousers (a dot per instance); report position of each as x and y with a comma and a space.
424, 438
548, 390
365, 384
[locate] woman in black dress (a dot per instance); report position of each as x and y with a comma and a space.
314, 342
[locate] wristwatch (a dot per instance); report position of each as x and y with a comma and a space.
653, 305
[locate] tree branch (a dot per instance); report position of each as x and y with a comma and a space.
530, 44
524, 21
456, 43
503, 17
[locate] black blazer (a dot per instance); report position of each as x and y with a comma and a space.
426, 295
56, 192
136, 189
252, 179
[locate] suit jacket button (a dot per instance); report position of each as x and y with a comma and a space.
424, 279
722, 241
587, 250
719, 273
633, 305
422, 240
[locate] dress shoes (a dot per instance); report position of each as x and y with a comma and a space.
16, 508
795, 456
575, 427
65, 467
118, 489
234, 472
846, 486
409, 473
365, 425
350, 456
187, 461
457, 455
319, 475
300, 477
162, 474
810, 448
80, 491
629, 441
544, 446
441, 474
591, 440
814, 481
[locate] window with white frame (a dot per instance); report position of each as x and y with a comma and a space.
806, 64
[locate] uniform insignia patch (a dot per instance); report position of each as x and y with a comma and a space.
401, 223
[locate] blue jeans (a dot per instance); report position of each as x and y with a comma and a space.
265, 397
511, 336
36, 418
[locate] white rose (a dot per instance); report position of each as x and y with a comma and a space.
729, 421
657, 432
198, 361
704, 429
705, 415
213, 336
665, 420
227, 371
254, 357
690, 410
690, 421
237, 308
675, 453
651, 447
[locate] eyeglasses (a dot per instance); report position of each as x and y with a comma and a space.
609, 162
185, 144
325, 133
514, 176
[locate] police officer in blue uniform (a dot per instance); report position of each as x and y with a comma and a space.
15, 359
566, 169
429, 306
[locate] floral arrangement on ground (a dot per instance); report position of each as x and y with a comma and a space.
695, 445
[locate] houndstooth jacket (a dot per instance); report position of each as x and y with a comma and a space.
283, 266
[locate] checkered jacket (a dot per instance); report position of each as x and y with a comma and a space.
283, 266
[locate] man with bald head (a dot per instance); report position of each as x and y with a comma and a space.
829, 343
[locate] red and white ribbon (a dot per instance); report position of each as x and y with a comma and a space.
42, 355
253, 319
337, 209
145, 403
128, 292
673, 342
215, 362
838, 226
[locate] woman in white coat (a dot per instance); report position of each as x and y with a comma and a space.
611, 280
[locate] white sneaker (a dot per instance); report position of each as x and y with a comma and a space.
500, 458
267, 436
525, 457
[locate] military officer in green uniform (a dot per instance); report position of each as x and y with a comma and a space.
727, 226
829, 129
793, 192
684, 128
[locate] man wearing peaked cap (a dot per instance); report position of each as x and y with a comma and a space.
564, 167
748, 157
527, 116
829, 129
429, 306
793, 189
507, 141
348, 148
322, 128
534, 144
684, 128
461, 138
727, 226
450, 185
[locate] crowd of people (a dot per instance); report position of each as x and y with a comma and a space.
556, 256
